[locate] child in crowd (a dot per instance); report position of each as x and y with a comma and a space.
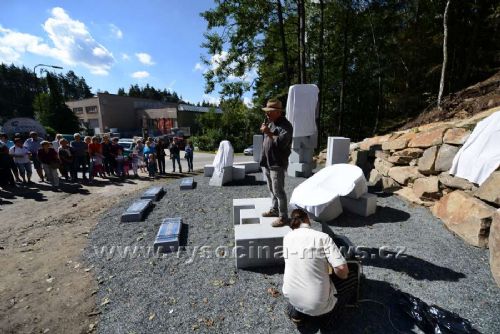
127, 165
134, 161
98, 165
120, 160
151, 165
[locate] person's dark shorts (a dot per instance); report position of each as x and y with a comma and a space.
36, 162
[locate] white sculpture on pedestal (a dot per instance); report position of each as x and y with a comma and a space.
301, 111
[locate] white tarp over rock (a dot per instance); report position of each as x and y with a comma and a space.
301, 109
326, 186
480, 155
224, 156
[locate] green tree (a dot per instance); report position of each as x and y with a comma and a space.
53, 111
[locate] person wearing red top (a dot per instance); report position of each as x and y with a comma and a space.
95, 155
50, 162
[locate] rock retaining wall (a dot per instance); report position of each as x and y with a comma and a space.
414, 164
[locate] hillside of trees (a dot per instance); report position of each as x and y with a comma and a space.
377, 63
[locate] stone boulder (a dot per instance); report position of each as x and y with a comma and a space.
466, 216
409, 195
382, 166
456, 136
428, 138
373, 144
489, 191
427, 187
399, 160
445, 157
389, 185
409, 152
454, 182
398, 141
404, 175
426, 162
375, 179
494, 245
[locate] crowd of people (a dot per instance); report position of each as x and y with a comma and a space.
87, 156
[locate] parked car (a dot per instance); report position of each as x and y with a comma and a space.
128, 145
248, 150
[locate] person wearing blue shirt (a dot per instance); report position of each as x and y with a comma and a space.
5, 140
33, 144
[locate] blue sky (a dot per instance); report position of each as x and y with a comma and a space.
110, 43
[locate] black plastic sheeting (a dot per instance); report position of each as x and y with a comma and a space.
432, 319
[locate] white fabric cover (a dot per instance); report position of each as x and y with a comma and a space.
224, 156
316, 193
301, 109
480, 155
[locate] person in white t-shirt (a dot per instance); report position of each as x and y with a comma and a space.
22, 160
306, 283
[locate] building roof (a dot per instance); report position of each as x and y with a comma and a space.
187, 107
167, 112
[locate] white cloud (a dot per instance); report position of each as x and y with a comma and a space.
117, 33
140, 74
72, 44
144, 58
211, 99
125, 56
199, 67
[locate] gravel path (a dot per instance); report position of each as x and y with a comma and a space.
174, 294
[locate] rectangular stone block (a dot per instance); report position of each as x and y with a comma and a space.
168, 235
250, 166
238, 173
337, 151
208, 170
135, 212
300, 169
364, 206
187, 183
259, 204
257, 147
259, 245
303, 155
153, 193
219, 179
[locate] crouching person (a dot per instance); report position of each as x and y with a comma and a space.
307, 285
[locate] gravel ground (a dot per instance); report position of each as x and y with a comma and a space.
174, 294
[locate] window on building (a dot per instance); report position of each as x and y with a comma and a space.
91, 109
78, 110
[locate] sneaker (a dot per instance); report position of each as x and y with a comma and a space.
280, 222
271, 213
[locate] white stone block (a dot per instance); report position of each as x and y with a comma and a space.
303, 155
258, 204
136, 211
337, 151
364, 206
259, 245
238, 173
187, 183
250, 166
219, 179
168, 235
153, 193
300, 169
258, 140
360, 187
330, 212
208, 170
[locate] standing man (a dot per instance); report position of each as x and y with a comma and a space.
175, 155
33, 144
160, 156
79, 149
276, 148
